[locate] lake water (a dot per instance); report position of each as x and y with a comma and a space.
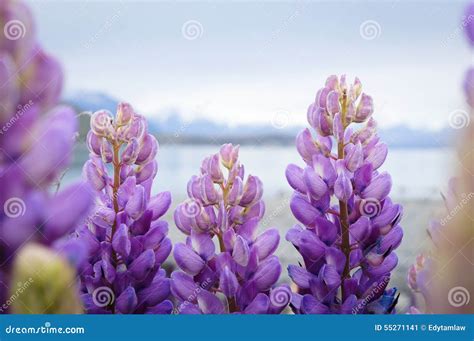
416, 173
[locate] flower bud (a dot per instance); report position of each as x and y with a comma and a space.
101, 123
148, 150
364, 109
93, 143
106, 151
333, 104
253, 191
124, 114
229, 155
214, 169
136, 128
354, 156
131, 151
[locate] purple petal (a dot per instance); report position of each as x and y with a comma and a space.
343, 187
137, 203
267, 273
121, 241
141, 266
228, 282
165, 307
127, 301
56, 134
303, 210
294, 175
314, 183
310, 305
360, 229
155, 235
252, 192
379, 188
259, 305
183, 286
305, 145
156, 292
267, 243
377, 155
67, 209
187, 259
203, 244
210, 303
241, 251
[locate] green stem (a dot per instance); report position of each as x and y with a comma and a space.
343, 217
115, 188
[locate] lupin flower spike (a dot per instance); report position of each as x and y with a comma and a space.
239, 276
350, 225
128, 240
36, 142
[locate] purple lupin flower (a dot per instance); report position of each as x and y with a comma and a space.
240, 274
469, 78
468, 23
350, 225
128, 241
36, 141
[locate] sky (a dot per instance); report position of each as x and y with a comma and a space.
261, 62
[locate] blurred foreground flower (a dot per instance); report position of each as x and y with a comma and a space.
35, 148
46, 283
240, 276
347, 248
125, 234
444, 276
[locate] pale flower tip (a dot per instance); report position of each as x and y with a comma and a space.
124, 113
101, 122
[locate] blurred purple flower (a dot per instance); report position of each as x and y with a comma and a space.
468, 23
347, 248
240, 276
128, 240
36, 141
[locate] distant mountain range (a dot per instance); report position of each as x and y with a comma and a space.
175, 130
